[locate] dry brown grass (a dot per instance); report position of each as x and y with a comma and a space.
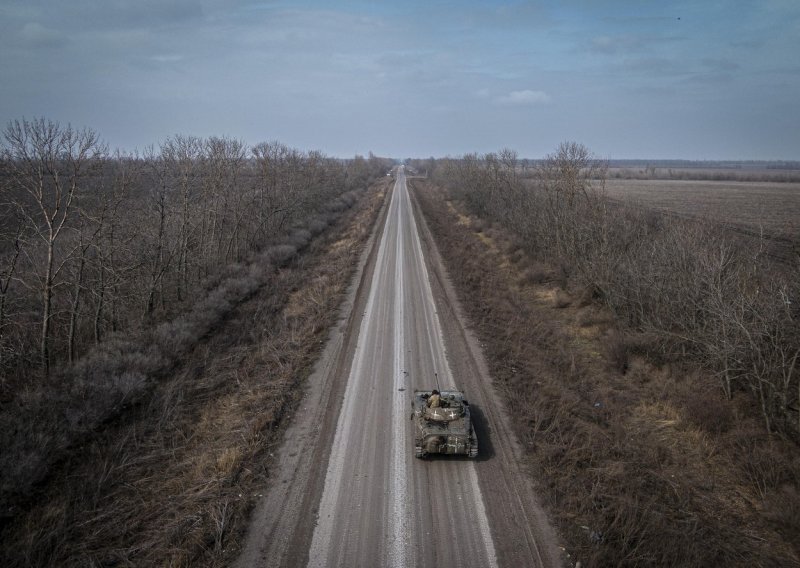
632, 473
172, 482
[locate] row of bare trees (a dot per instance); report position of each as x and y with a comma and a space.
93, 242
703, 292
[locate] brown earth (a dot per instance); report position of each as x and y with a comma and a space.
754, 209
639, 461
708, 173
773, 206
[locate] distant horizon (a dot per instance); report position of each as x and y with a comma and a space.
112, 149
595, 154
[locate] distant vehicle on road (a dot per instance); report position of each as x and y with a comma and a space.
444, 429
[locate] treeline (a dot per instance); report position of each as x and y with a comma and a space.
114, 267
696, 290
92, 243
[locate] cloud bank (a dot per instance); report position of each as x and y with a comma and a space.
523, 98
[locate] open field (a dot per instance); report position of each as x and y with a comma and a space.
773, 206
748, 207
714, 171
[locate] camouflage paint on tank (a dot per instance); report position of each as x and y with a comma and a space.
444, 430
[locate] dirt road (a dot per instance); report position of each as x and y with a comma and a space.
348, 491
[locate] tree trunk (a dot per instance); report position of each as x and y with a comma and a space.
47, 301
73, 317
158, 260
98, 314
4, 284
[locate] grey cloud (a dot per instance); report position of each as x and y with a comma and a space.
655, 91
604, 44
713, 78
660, 66
720, 65
86, 15
324, 75
707, 70
517, 16
405, 58
522, 14
35, 35
627, 44
167, 58
523, 98
748, 43
613, 45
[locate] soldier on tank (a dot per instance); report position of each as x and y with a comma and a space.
434, 400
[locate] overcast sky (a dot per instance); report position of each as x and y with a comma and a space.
647, 79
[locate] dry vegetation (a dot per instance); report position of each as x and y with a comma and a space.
187, 298
647, 451
172, 482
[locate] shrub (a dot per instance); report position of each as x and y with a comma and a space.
561, 299
709, 411
616, 351
536, 274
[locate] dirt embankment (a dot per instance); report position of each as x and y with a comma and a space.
173, 482
640, 462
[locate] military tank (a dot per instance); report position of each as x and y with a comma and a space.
446, 429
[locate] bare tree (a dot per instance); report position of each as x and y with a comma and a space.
48, 163
225, 202
159, 254
705, 294
114, 262
106, 244
183, 155
279, 195
86, 238
6, 276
